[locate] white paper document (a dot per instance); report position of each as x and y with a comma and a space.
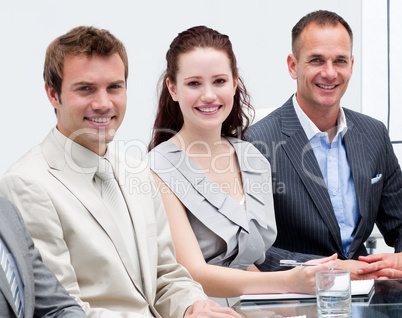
358, 288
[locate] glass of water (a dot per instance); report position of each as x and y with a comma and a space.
333, 294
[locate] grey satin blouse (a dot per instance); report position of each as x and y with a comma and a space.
228, 234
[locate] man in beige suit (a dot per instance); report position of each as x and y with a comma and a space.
116, 262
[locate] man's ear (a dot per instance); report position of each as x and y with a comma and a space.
54, 98
292, 62
352, 62
172, 89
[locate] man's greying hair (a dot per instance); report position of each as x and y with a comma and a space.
320, 17
80, 40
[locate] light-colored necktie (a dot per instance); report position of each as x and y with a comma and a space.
12, 279
117, 206
111, 192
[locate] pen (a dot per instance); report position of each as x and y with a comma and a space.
289, 262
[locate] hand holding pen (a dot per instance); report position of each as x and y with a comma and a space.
293, 263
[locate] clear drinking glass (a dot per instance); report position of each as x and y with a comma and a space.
333, 294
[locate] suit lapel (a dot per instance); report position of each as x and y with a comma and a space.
251, 169
137, 217
298, 149
124, 177
77, 183
204, 186
356, 153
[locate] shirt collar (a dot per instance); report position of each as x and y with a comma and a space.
82, 157
311, 129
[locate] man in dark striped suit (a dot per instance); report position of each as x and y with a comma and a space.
334, 171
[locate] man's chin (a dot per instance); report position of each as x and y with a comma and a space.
102, 137
328, 102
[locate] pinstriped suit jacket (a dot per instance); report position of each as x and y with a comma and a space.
306, 221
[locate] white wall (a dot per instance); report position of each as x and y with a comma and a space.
259, 30
380, 85
381, 82
260, 33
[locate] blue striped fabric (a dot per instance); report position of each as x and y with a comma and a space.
11, 277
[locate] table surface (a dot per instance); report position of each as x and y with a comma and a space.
386, 301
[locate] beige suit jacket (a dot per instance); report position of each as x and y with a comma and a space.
82, 245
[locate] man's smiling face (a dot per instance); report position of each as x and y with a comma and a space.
93, 99
323, 65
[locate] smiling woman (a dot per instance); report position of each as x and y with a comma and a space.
216, 188
183, 52
204, 89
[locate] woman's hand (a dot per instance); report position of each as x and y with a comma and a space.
302, 278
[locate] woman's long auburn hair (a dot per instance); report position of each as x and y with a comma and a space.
169, 118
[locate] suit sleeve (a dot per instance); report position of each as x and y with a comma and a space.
389, 220
44, 226
275, 254
51, 299
175, 289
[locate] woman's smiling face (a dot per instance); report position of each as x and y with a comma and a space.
204, 88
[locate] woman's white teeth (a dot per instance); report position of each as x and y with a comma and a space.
100, 120
208, 109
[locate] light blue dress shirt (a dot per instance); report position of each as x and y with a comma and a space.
15, 269
335, 169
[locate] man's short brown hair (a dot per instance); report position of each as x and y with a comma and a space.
320, 17
80, 40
